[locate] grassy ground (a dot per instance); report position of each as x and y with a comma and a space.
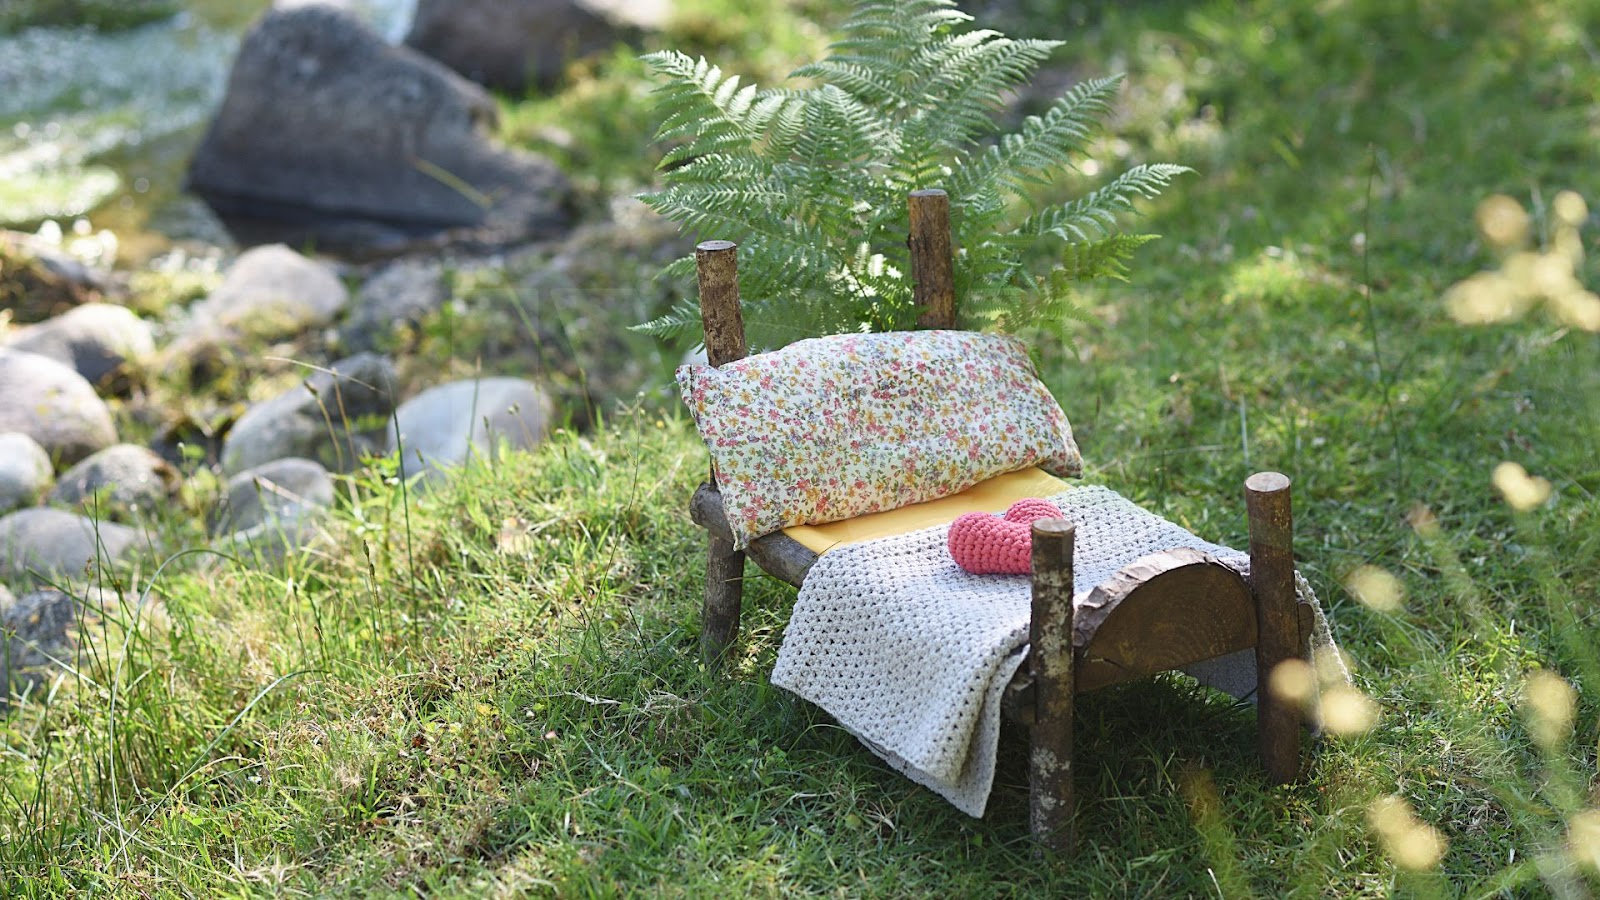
493, 689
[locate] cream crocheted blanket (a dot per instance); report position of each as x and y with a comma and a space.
911, 653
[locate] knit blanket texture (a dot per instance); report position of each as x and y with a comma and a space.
912, 654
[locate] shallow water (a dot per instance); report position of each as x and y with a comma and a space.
102, 124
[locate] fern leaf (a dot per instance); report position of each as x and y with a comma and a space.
1094, 215
681, 320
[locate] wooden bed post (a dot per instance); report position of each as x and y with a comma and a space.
1050, 798
725, 342
1277, 623
932, 260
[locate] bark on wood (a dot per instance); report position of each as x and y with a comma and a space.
777, 554
1278, 620
1050, 631
1162, 612
717, 268
932, 259
719, 618
719, 301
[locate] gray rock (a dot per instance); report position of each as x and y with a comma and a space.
268, 293
446, 425
399, 296
52, 404
34, 637
96, 339
120, 480
335, 418
51, 543
38, 281
280, 492
515, 44
269, 544
338, 137
24, 471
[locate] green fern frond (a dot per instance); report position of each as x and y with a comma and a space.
1046, 142
680, 321
1095, 214
812, 181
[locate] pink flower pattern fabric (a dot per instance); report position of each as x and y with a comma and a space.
831, 428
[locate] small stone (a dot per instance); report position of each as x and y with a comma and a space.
399, 296
268, 293
54, 405
33, 637
121, 480
335, 417
38, 281
24, 471
47, 543
446, 425
279, 492
96, 339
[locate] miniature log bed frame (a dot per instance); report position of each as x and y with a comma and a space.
1163, 612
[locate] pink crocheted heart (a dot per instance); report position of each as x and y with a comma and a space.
1030, 510
985, 544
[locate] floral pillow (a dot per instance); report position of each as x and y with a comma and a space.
836, 427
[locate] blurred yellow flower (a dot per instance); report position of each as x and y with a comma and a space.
1522, 491
1527, 277
1293, 680
1346, 711
1583, 839
1552, 704
1409, 841
1502, 221
1376, 588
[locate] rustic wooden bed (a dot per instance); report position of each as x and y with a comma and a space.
1166, 611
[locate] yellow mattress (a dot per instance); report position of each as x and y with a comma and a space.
991, 496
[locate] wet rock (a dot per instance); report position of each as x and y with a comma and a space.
446, 425
327, 133
52, 404
51, 543
38, 281
396, 298
281, 491
96, 339
335, 418
516, 44
121, 480
34, 635
268, 293
24, 471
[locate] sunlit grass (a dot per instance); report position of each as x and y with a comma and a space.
493, 688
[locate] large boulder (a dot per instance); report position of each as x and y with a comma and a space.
335, 417
445, 426
49, 543
269, 293
336, 136
52, 404
24, 471
121, 480
95, 339
516, 44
